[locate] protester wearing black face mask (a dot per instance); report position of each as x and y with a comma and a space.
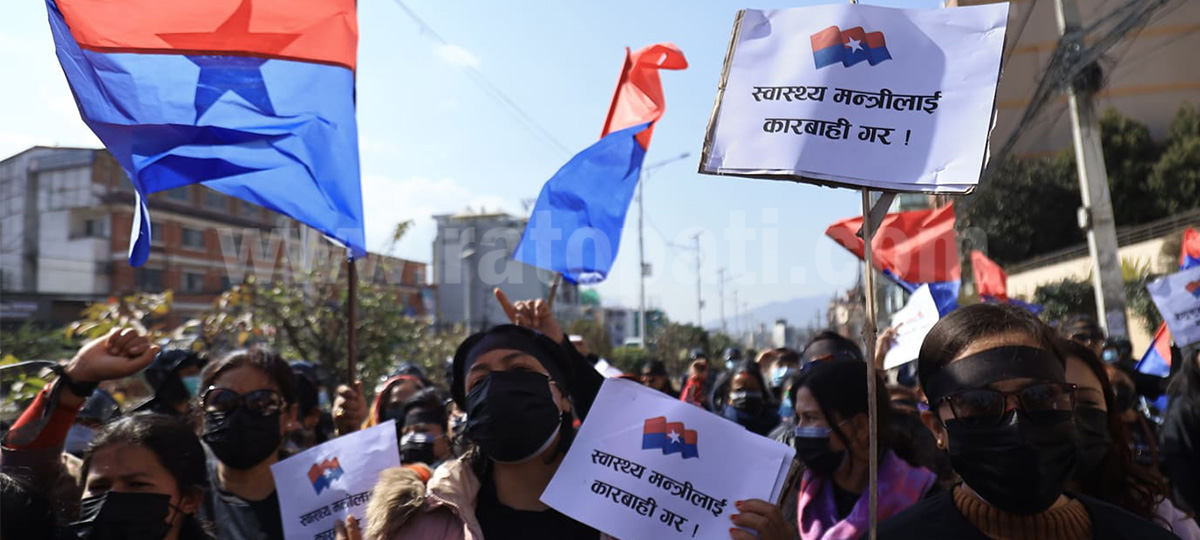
831, 439
742, 396
248, 404
1001, 407
1143, 434
143, 475
1106, 470
519, 388
423, 438
1180, 444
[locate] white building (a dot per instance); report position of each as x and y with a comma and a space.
472, 255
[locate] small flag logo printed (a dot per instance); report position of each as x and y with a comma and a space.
1194, 288
848, 47
670, 437
323, 474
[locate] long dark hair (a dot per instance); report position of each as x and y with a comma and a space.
1185, 383
259, 357
175, 445
720, 392
841, 387
1118, 480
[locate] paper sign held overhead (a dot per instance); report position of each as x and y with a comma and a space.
645, 465
1177, 297
859, 96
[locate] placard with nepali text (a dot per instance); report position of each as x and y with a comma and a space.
645, 465
332, 480
1177, 297
859, 96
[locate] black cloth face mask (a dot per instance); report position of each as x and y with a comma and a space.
1094, 439
241, 440
512, 416
123, 516
417, 448
1019, 466
812, 447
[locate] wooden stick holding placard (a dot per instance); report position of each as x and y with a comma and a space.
868, 233
352, 319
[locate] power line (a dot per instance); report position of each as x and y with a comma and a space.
490, 88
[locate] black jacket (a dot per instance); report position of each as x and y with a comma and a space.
937, 517
1180, 452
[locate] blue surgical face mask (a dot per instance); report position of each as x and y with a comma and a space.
787, 408
779, 373
1110, 356
323, 399
191, 383
78, 439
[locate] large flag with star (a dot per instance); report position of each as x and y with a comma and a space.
253, 98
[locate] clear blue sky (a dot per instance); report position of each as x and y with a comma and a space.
433, 141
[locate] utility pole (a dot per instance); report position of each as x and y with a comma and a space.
721, 292
699, 298
1096, 215
737, 314
642, 269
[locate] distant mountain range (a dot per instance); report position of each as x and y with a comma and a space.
798, 312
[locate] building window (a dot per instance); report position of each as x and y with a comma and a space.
193, 238
249, 210
181, 194
149, 280
193, 282
214, 200
156, 232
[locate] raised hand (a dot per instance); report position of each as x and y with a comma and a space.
532, 314
349, 409
118, 354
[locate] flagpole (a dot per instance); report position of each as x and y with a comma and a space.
352, 317
868, 233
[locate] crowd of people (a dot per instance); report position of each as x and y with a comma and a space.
1004, 428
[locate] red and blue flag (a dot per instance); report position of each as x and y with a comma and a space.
833, 45
670, 437
324, 473
575, 226
252, 98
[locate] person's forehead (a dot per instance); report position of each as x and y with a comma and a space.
502, 359
806, 401
123, 460
1078, 373
244, 379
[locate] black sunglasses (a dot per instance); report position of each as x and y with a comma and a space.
258, 402
981, 407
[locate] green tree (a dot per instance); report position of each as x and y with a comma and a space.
1176, 177
1026, 208
1065, 298
672, 341
628, 359
594, 333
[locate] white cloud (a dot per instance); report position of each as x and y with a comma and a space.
388, 201
455, 55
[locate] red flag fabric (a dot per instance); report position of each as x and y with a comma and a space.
1189, 255
990, 279
918, 246
639, 95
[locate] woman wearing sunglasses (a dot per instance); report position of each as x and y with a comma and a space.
247, 401
1000, 406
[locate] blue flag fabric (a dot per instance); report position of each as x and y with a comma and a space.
575, 227
945, 293
275, 132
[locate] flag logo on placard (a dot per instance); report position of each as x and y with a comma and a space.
1194, 288
833, 45
670, 437
324, 473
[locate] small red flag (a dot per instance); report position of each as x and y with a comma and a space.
639, 95
990, 279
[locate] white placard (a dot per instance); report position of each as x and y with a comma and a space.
1177, 297
904, 103
912, 323
332, 480
644, 465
